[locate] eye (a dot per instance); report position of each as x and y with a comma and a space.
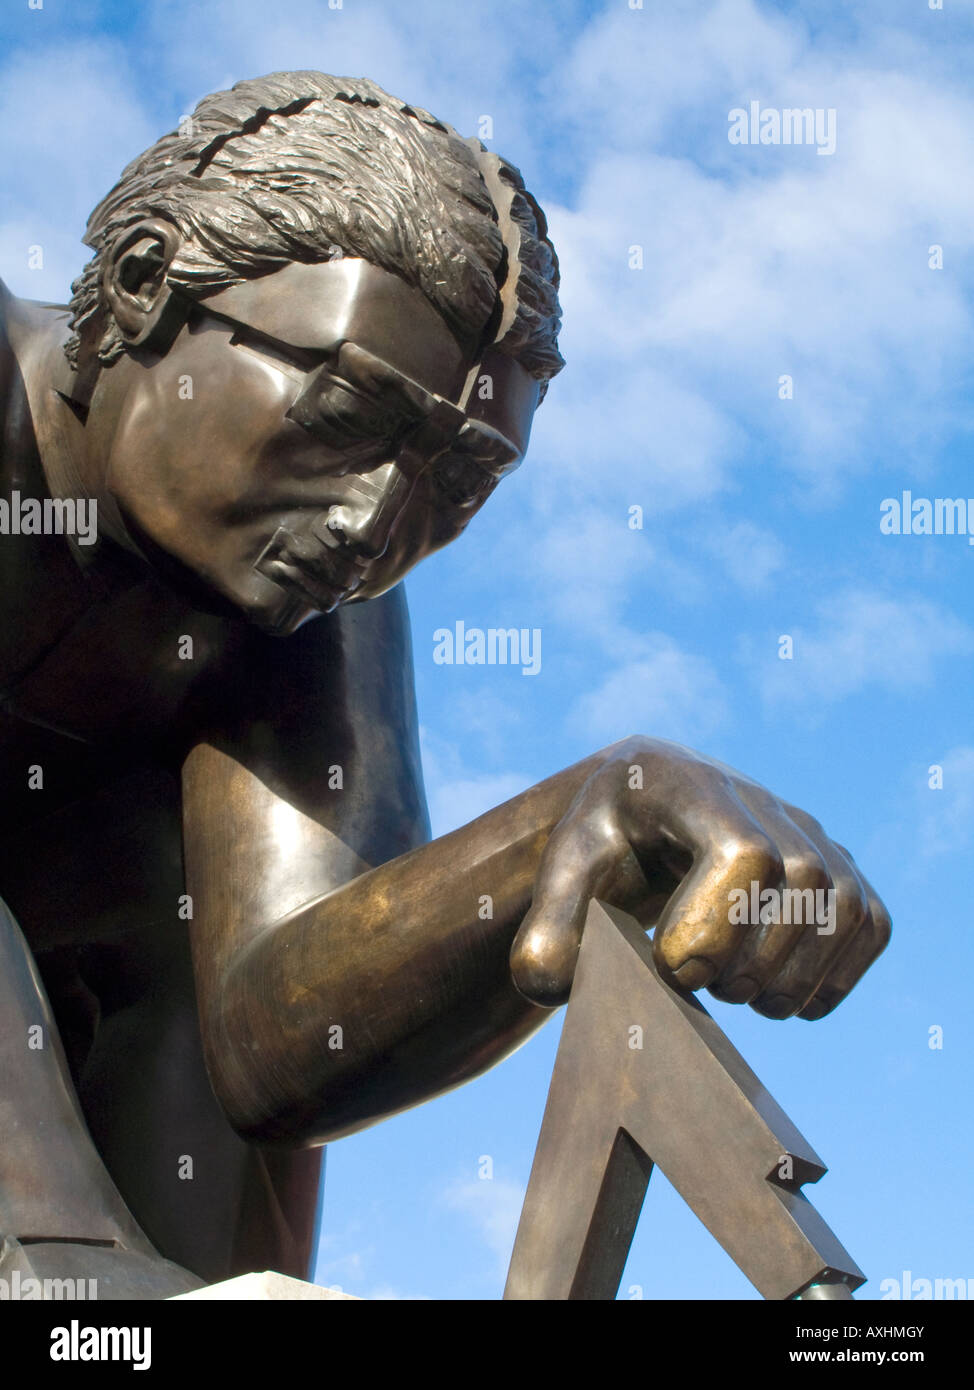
462, 480
341, 411
326, 408
340, 418
479, 458
330, 408
282, 361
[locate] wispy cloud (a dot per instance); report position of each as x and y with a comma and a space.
861, 639
751, 554
456, 792
946, 809
656, 688
73, 118
493, 1206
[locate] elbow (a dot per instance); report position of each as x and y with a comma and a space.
275, 1089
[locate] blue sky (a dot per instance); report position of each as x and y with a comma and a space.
760, 518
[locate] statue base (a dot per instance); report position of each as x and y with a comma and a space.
266, 1285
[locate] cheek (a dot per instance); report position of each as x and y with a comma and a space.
197, 434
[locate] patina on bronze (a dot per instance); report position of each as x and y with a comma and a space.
308, 347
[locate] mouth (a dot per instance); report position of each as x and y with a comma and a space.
322, 573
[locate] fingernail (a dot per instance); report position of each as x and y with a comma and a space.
779, 1006
815, 1009
695, 973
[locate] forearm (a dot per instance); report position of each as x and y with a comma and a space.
387, 990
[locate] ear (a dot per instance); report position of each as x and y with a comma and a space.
145, 309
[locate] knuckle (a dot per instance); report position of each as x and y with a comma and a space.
853, 906
635, 746
807, 823
542, 966
806, 869
753, 855
882, 925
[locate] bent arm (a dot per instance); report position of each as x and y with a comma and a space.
380, 994
345, 970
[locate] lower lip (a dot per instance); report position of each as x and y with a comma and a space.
321, 592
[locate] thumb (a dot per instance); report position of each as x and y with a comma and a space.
579, 858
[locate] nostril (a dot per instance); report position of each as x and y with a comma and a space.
362, 535
365, 521
331, 528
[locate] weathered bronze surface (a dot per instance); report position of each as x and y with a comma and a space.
308, 347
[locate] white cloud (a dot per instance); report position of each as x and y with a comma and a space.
61, 256
636, 77
494, 1206
625, 420
462, 800
657, 689
346, 1271
750, 553
429, 53
758, 262
585, 564
457, 794
389, 1293
862, 639
946, 821
73, 117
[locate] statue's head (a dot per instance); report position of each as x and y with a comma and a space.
310, 342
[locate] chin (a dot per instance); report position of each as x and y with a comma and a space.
281, 618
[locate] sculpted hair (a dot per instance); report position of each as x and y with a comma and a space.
292, 166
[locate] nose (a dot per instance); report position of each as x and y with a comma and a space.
365, 521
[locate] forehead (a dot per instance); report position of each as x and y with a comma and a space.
315, 307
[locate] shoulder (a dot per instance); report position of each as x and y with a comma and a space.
11, 330
9, 380
26, 328
16, 426
7, 303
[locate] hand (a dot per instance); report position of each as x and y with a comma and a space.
693, 847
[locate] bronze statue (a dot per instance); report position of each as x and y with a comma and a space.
308, 347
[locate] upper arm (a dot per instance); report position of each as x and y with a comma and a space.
308, 775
